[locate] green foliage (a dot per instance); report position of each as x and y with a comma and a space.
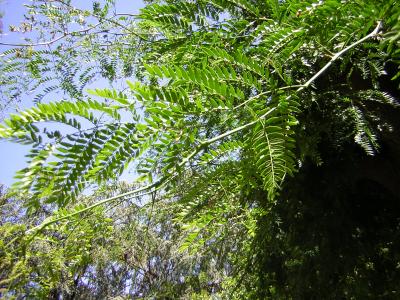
50, 260
241, 112
64, 163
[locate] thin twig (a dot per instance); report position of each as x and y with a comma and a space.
128, 15
265, 93
53, 40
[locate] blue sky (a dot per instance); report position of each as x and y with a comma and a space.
12, 156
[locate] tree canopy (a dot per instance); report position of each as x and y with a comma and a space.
264, 137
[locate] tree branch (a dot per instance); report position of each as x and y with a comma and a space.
156, 185
339, 54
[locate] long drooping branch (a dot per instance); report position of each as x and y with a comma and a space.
156, 185
159, 183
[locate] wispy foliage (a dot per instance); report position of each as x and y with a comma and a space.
234, 100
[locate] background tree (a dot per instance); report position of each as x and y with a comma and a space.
115, 251
269, 128
67, 46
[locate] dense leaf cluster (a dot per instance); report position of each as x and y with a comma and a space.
265, 133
